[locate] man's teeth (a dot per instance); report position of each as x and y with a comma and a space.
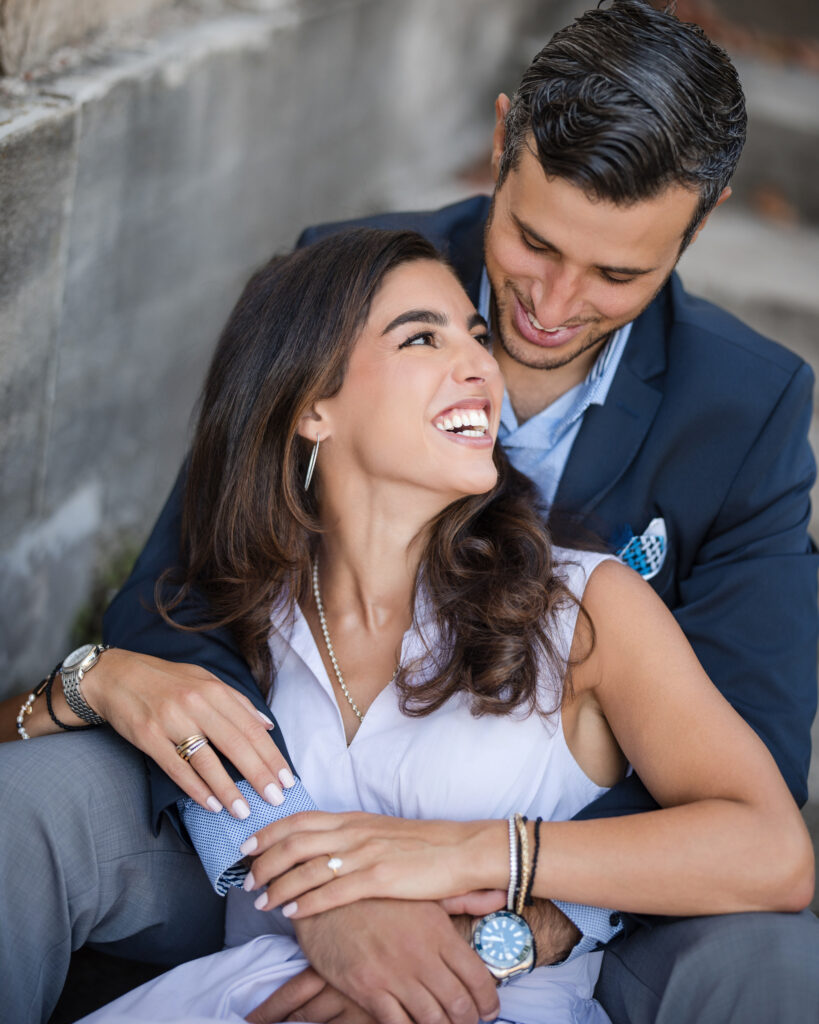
539, 326
466, 422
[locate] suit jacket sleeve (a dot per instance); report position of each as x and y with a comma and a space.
132, 623
749, 604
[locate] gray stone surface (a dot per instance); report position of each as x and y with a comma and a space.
36, 182
139, 188
30, 30
782, 151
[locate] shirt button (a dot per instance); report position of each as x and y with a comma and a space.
614, 919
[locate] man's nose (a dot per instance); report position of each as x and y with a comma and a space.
555, 296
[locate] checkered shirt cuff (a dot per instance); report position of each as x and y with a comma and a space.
598, 925
217, 837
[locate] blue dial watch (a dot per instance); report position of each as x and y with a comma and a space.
503, 940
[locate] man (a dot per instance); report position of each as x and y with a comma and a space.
672, 430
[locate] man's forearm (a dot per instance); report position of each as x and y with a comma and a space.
555, 935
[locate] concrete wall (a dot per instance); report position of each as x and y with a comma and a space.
31, 30
139, 189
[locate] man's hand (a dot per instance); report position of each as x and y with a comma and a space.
397, 961
308, 997
155, 704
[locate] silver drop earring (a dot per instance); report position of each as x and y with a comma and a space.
312, 464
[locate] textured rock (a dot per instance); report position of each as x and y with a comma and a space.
30, 30
140, 188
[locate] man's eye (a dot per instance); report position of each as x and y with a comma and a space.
532, 246
426, 338
616, 280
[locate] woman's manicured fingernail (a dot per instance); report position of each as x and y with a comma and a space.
289, 909
273, 794
249, 845
264, 718
214, 804
240, 809
249, 883
260, 901
286, 778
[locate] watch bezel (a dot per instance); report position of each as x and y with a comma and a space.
77, 658
525, 961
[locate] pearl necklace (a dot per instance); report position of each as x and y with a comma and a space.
329, 644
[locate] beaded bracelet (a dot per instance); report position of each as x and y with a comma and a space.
50, 706
513, 865
27, 705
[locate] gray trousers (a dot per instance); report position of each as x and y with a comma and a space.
79, 864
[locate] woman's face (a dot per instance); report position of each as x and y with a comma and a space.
421, 400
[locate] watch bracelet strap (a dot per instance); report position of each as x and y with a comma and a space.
76, 701
47, 690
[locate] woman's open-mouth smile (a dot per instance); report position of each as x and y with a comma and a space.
466, 422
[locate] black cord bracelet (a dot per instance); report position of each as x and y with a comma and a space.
527, 899
54, 719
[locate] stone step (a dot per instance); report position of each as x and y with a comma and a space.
778, 165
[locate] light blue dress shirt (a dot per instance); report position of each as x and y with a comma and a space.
539, 448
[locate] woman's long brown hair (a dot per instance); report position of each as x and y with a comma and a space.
250, 530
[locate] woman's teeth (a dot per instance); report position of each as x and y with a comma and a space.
466, 422
539, 326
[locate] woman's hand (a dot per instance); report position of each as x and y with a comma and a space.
155, 704
317, 861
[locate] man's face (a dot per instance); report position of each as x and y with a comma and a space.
567, 270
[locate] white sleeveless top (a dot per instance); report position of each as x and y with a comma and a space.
447, 764
444, 765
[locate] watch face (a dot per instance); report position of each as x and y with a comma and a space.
503, 940
77, 657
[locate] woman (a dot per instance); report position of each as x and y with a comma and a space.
425, 651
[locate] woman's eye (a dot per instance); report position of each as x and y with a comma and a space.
426, 338
483, 339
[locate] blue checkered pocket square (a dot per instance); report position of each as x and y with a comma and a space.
647, 552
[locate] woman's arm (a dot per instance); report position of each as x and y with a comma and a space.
728, 838
155, 704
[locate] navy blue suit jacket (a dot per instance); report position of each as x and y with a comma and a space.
706, 426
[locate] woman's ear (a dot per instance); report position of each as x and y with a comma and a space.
314, 425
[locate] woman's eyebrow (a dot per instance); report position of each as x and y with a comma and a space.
416, 316
427, 316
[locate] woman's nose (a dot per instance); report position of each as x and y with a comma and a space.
475, 362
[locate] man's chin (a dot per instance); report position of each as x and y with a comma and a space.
527, 354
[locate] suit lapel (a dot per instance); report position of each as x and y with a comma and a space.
612, 434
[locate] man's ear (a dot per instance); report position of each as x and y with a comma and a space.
725, 194
502, 104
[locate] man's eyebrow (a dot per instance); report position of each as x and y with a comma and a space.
546, 244
416, 316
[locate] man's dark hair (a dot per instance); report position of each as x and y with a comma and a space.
627, 101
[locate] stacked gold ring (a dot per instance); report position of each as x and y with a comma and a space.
187, 748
